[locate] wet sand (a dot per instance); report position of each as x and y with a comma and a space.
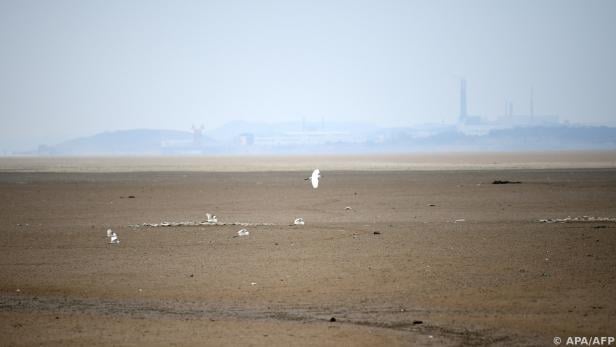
391, 162
399, 267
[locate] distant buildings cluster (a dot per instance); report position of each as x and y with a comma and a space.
467, 124
511, 131
473, 124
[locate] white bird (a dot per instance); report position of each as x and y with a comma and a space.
314, 179
299, 221
114, 238
211, 219
243, 232
109, 231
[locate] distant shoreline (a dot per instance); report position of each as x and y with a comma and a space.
391, 162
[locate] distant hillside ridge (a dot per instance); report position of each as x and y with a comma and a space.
289, 138
126, 142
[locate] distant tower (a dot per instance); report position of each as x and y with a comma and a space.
463, 111
532, 103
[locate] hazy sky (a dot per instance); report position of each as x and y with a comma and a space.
72, 68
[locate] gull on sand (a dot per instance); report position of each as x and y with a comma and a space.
114, 238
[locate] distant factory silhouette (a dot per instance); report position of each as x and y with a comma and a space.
470, 132
468, 123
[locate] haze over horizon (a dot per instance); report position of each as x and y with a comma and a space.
77, 68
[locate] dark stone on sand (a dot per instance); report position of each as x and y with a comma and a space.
505, 182
377, 233
432, 205
191, 275
417, 322
333, 319
600, 227
131, 196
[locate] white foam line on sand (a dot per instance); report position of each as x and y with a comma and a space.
194, 224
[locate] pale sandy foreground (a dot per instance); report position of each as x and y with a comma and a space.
422, 257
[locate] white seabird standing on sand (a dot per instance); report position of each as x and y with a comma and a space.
109, 231
114, 238
314, 178
210, 219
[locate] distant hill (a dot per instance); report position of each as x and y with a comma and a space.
127, 142
514, 139
343, 138
556, 137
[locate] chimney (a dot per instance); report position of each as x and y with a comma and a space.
463, 111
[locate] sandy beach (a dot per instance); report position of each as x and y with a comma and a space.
395, 251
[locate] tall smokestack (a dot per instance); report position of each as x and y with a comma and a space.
463, 112
532, 103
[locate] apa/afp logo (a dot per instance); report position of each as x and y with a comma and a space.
586, 341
